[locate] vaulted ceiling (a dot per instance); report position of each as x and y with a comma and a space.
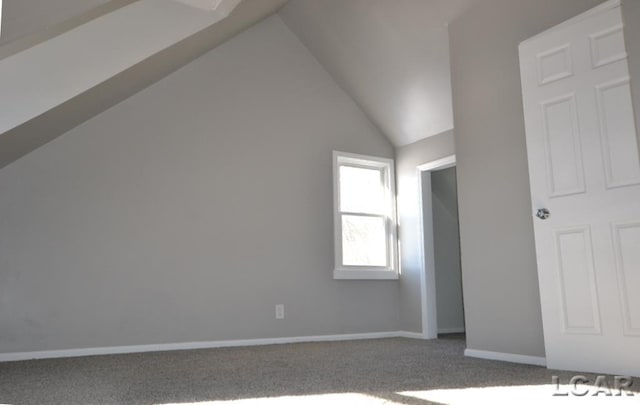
392, 57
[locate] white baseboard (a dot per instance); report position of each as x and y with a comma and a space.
511, 358
97, 351
451, 330
411, 335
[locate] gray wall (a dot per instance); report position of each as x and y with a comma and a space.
502, 305
408, 158
444, 197
24, 17
631, 13
186, 212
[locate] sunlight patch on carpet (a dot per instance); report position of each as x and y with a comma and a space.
524, 395
347, 399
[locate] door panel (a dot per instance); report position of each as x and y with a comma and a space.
618, 133
555, 64
608, 46
565, 171
577, 281
584, 167
626, 241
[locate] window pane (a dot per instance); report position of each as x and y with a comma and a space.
361, 190
364, 241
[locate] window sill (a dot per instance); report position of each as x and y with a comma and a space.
364, 274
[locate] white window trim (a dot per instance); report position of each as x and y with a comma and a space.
341, 272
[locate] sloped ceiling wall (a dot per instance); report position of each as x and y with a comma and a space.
24, 17
54, 120
392, 57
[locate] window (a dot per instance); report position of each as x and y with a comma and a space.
364, 217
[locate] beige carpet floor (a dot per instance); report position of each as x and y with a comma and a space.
372, 372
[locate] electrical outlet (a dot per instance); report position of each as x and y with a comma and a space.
279, 311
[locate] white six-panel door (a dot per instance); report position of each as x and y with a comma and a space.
584, 164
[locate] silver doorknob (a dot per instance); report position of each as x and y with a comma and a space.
543, 213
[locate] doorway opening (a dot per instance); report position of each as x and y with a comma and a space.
443, 309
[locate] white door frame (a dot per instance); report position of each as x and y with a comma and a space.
428, 270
